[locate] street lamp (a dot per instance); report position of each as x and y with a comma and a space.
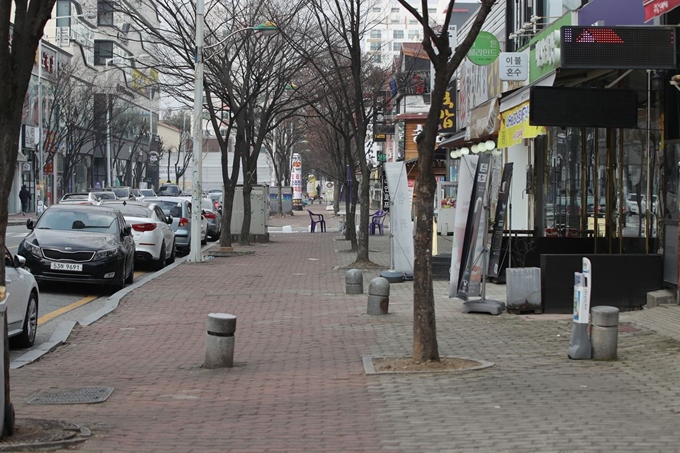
109, 174
266, 28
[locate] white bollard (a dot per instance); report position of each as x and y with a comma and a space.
219, 340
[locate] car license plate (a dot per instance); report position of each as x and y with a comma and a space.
66, 267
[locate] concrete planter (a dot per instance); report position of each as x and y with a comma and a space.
523, 289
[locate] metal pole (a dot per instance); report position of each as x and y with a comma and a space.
40, 125
648, 216
195, 253
109, 179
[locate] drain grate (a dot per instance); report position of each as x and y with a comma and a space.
85, 395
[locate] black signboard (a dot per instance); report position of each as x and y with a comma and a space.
640, 47
583, 107
499, 221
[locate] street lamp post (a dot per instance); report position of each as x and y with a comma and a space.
195, 252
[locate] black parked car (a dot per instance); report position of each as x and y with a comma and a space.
80, 243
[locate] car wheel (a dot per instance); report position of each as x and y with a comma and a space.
204, 239
130, 278
27, 337
160, 264
172, 254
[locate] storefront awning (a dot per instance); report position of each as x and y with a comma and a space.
483, 120
453, 140
655, 8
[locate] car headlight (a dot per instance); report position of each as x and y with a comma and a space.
104, 254
32, 249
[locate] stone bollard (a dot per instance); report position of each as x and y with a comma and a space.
604, 331
219, 340
378, 296
354, 282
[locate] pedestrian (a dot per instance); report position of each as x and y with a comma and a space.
24, 196
318, 192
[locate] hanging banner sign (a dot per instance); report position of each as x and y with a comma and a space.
515, 126
499, 221
296, 179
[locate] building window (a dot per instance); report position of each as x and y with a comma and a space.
103, 50
412, 21
396, 46
395, 20
413, 34
376, 58
398, 34
375, 34
432, 10
375, 46
376, 9
395, 9
104, 12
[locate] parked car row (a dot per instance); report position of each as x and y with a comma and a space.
101, 243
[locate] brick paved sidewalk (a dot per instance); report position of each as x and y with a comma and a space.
298, 382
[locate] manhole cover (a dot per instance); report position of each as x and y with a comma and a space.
85, 395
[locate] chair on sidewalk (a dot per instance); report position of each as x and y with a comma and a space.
317, 218
377, 221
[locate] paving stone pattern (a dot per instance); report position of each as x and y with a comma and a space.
298, 383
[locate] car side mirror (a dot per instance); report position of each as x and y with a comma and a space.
19, 261
168, 220
29, 224
127, 230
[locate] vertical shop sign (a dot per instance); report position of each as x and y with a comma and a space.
499, 221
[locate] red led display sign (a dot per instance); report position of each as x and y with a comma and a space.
646, 47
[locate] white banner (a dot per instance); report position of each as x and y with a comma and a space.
466, 176
296, 177
401, 226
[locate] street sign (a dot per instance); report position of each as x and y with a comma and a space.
514, 65
485, 49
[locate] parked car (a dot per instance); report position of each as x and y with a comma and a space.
80, 244
214, 217
122, 192
147, 193
169, 190
80, 198
179, 208
105, 195
22, 302
151, 230
632, 206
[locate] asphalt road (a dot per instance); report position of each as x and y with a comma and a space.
60, 302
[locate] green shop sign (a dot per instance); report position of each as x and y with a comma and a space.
485, 49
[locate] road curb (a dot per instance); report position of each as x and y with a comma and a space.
64, 328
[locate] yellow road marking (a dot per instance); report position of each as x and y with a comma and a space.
50, 316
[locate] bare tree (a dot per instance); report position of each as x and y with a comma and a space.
72, 123
19, 37
445, 64
280, 146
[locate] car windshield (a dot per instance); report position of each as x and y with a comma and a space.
168, 190
121, 193
172, 208
78, 220
105, 195
136, 192
147, 193
75, 196
133, 211
208, 204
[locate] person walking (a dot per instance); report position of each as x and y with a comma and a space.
24, 196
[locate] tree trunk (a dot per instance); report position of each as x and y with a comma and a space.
244, 237
280, 196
